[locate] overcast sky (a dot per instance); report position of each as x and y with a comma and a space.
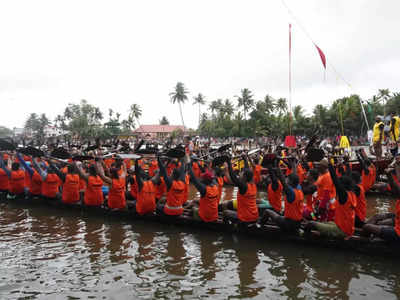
115, 53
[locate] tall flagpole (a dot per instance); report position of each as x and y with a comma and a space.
290, 79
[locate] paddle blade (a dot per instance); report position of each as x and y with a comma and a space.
315, 154
60, 153
82, 157
219, 160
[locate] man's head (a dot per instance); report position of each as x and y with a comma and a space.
323, 165
71, 169
15, 166
347, 182
92, 170
247, 175
356, 177
207, 177
312, 175
293, 180
114, 173
378, 119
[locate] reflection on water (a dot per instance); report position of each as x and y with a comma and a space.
48, 252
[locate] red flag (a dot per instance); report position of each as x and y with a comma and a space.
322, 55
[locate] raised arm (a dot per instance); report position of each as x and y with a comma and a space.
24, 164
81, 173
138, 173
199, 186
290, 196
242, 186
181, 170
41, 172
163, 173
340, 190
60, 174
100, 170
3, 166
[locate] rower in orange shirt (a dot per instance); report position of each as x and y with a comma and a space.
116, 195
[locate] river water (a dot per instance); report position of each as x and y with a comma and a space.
47, 253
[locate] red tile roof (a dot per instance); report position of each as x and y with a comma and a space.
158, 128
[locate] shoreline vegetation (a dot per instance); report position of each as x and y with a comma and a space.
240, 116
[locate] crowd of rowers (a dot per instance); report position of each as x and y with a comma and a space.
324, 197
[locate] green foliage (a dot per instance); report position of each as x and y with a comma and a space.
270, 117
83, 120
36, 125
5, 132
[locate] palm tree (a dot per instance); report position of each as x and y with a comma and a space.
246, 101
269, 104
228, 108
200, 101
213, 106
179, 96
384, 94
281, 105
135, 112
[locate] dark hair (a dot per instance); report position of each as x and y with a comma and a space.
175, 174
347, 182
293, 180
356, 176
92, 170
15, 166
314, 174
248, 174
219, 172
71, 169
114, 173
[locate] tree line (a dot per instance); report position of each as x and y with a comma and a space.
241, 116
245, 116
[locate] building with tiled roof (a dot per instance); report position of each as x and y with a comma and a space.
158, 131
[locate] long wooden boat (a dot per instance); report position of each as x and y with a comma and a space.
272, 232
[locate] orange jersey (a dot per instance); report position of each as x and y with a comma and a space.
94, 193
146, 201
397, 218
247, 209
50, 185
116, 194
257, 174
17, 182
275, 197
196, 169
175, 198
324, 183
4, 181
36, 184
345, 214
294, 210
70, 193
361, 208
208, 209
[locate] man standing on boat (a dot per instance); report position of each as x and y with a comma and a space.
377, 137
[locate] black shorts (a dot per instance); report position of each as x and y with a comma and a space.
389, 235
288, 224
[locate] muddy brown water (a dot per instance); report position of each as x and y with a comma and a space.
51, 254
